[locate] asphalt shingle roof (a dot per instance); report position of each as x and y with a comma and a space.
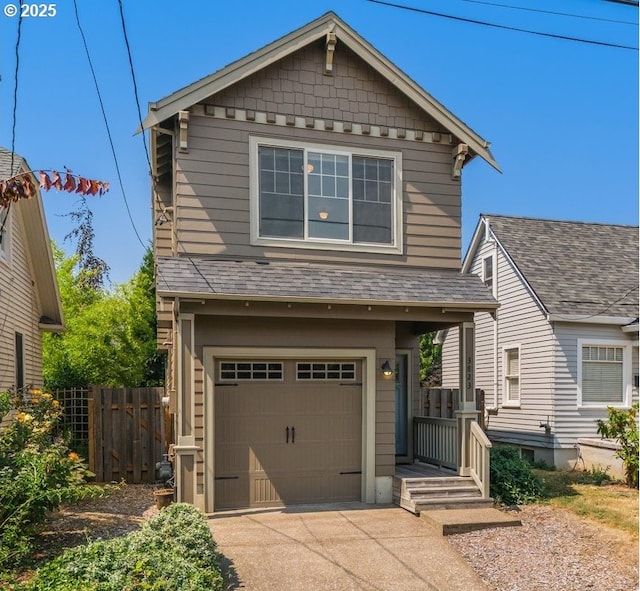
575, 268
284, 280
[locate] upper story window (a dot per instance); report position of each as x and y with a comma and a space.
604, 374
487, 271
511, 376
316, 196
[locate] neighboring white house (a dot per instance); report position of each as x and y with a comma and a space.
563, 345
29, 298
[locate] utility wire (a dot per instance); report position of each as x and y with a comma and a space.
600, 312
505, 27
146, 148
592, 18
106, 123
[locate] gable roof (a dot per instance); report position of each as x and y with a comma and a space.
38, 245
299, 282
317, 29
576, 270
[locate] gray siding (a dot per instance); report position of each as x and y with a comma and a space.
354, 92
573, 422
213, 204
520, 322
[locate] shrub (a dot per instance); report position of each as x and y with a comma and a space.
622, 427
511, 481
173, 551
38, 472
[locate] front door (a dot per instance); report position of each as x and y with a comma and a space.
402, 408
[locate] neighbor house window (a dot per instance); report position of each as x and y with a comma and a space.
512, 376
310, 196
487, 271
19, 353
5, 233
601, 379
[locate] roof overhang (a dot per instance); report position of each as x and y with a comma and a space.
443, 306
329, 23
623, 321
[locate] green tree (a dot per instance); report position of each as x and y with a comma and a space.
110, 335
622, 426
430, 355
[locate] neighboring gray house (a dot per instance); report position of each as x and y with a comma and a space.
308, 229
564, 343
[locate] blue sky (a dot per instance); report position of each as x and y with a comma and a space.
562, 116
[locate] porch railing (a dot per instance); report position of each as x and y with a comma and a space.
435, 441
479, 450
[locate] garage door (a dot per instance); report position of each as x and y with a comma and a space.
287, 432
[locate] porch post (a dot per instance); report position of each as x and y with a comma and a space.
466, 412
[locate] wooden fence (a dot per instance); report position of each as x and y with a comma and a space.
126, 433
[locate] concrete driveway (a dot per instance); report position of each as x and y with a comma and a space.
344, 547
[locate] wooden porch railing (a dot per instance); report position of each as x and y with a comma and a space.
435, 441
479, 450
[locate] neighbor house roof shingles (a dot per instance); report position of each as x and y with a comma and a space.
295, 281
574, 268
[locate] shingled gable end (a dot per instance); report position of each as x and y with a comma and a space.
307, 201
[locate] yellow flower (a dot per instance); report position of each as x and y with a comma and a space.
74, 456
55, 403
24, 417
36, 392
20, 417
47, 396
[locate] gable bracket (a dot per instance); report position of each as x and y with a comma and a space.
183, 119
459, 154
330, 47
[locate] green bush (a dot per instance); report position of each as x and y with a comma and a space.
173, 551
622, 427
38, 472
512, 481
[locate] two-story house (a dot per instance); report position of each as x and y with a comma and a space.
564, 344
29, 298
307, 202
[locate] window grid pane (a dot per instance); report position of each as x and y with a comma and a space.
251, 370
326, 370
602, 375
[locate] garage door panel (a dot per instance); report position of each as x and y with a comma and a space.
251, 450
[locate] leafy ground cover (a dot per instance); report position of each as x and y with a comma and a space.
173, 551
593, 496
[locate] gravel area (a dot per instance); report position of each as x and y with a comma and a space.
554, 550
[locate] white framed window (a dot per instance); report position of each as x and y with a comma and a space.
320, 196
604, 373
5, 234
511, 373
488, 271
251, 371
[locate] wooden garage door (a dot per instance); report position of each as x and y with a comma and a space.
287, 432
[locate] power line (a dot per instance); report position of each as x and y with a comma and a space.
582, 16
505, 27
106, 123
601, 312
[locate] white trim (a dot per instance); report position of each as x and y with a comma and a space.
369, 375
508, 402
396, 247
627, 370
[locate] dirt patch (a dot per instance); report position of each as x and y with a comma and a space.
123, 511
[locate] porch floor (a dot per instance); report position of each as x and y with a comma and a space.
422, 470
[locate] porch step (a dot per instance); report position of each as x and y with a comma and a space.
417, 494
454, 521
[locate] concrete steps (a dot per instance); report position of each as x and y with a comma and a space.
436, 493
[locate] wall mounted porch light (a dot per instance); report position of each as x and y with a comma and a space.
387, 370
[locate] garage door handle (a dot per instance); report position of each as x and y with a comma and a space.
293, 434
287, 432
